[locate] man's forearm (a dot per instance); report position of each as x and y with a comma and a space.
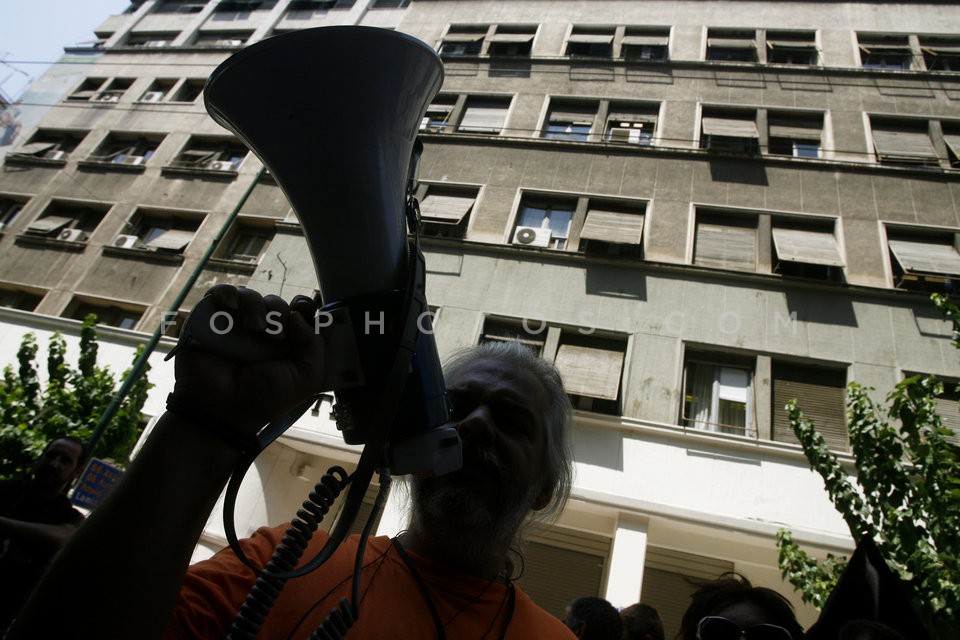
136, 545
51, 534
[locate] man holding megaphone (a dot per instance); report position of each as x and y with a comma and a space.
449, 575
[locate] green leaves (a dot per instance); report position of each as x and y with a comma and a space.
906, 493
71, 403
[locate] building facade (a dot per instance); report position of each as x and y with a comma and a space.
697, 210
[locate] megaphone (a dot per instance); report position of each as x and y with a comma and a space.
333, 113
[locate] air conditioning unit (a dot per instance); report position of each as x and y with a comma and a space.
126, 241
135, 160
221, 165
532, 236
72, 235
152, 96
55, 154
155, 43
108, 97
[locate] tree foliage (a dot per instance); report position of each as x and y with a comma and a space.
71, 403
906, 494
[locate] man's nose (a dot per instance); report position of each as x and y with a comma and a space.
477, 428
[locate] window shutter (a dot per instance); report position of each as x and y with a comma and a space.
903, 145
575, 117
172, 240
48, 224
511, 38
449, 209
585, 38
590, 372
820, 394
795, 130
727, 247
808, 247
35, 148
483, 119
561, 565
926, 257
667, 586
644, 41
613, 226
732, 43
949, 411
730, 127
953, 141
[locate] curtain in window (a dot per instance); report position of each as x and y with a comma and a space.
700, 379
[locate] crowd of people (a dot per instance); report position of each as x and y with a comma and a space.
450, 574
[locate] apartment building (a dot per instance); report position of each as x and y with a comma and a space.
696, 209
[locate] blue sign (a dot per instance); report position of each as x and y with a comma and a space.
95, 483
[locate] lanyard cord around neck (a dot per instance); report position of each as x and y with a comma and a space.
437, 623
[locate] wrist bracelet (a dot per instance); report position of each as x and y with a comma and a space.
246, 443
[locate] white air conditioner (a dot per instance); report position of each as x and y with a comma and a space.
108, 97
55, 154
72, 235
135, 160
532, 236
221, 165
155, 43
126, 241
152, 96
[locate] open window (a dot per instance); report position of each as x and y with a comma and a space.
438, 115
10, 208
613, 229
65, 221
903, 142
511, 40
592, 370
156, 40
885, 51
590, 42
48, 144
247, 240
544, 222
22, 299
730, 131
222, 39
125, 150
158, 91
484, 115
569, 120
113, 314
159, 232
923, 259
463, 40
792, 47
188, 91
718, 394
179, 6
731, 45
794, 134
645, 43
631, 123
445, 209
203, 154
806, 249
940, 53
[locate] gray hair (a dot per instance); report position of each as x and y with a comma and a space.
558, 419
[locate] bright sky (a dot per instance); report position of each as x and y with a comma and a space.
38, 30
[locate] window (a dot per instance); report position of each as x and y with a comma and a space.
903, 142
792, 47
158, 232
484, 115
464, 40
796, 135
806, 249
631, 124
66, 222
180, 6
544, 222
20, 299
613, 228
247, 240
211, 155
820, 393
590, 42
224, 39
726, 241
590, 362
87, 90
151, 40
438, 114
48, 144
389, 4
10, 208
951, 137
157, 91
923, 259
730, 132
511, 40
124, 150
644, 44
444, 209
304, 9
113, 315
718, 394
189, 91
885, 51
569, 120
100, 90
940, 53
243, 6
948, 408
731, 45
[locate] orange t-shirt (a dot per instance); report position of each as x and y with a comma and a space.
392, 606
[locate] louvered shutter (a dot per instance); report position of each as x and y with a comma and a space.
613, 226
486, 119
587, 371
808, 247
926, 257
560, 565
820, 394
448, 209
904, 145
725, 246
